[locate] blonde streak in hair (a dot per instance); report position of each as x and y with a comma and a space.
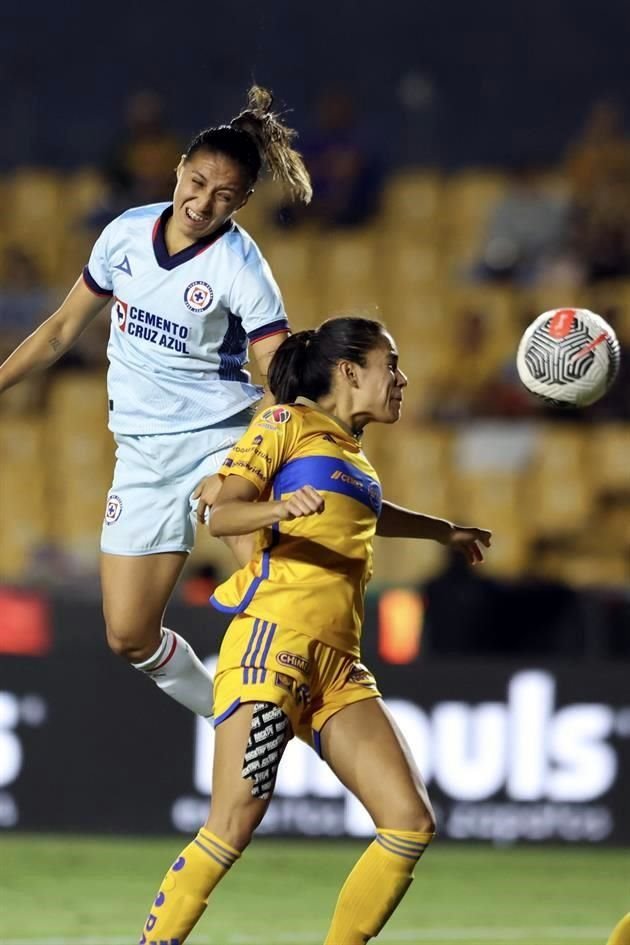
274, 138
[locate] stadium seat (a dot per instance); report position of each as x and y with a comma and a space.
292, 259
411, 202
80, 471
83, 192
349, 274
410, 267
304, 308
402, 561
76, 396
24, 505
601, 570
608, 453
471, 195
34, 203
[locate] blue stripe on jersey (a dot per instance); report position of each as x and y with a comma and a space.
233, 351
231, 709
272, 328
251, 590
329, 475
317, 743
93, 285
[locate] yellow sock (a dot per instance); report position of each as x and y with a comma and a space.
621, 933
183, 895
376, 885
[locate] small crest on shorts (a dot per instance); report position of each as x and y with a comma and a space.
198, 296
113, 509
277, 415
257, 440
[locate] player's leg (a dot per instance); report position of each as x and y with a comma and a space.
620, 935
368, 753
239, 801
136, 590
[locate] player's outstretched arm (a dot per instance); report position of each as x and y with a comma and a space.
397, 522
53, 337
236, 510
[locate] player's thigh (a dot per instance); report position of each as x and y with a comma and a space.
235, 811
136, 590
370, 756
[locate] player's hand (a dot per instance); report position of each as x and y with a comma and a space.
468, 542
306, 501
207, 492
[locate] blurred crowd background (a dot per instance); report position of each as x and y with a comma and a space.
456, 197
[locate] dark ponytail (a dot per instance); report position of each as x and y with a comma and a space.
303, 364
255, 137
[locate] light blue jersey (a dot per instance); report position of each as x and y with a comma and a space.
181, 324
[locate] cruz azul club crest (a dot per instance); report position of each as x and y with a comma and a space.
198, 296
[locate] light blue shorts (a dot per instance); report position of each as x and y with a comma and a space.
149, 507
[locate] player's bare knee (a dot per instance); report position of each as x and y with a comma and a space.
132, 643
416, 815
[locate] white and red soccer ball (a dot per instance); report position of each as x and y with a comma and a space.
569, 357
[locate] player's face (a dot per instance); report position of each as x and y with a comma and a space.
210, 188
381, 384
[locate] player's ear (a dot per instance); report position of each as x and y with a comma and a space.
180, 166
348, 372
245, 199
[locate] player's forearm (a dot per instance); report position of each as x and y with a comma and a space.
239, 517
37, 352
397, 522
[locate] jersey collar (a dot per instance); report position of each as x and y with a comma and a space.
166, 261
315, 406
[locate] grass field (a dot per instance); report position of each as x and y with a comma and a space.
96, 891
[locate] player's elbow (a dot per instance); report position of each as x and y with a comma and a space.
216, 524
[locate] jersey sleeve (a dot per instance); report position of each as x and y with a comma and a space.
256, 299
264, 449
97, 275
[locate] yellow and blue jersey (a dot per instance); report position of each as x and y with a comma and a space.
310, 573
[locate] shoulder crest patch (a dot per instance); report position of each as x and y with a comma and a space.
277, 415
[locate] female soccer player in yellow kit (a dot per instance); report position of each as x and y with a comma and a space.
289, 663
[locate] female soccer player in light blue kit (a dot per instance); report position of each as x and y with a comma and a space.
189, 293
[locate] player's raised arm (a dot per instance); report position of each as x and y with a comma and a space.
54, 336
236, 511
397, 522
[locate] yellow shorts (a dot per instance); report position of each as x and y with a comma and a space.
262, 662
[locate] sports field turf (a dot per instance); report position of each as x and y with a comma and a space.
96, 891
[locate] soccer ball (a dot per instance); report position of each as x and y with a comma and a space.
569, 357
